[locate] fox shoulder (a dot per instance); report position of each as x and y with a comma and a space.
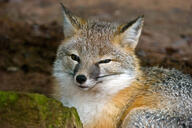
166, 102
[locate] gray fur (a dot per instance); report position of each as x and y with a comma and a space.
176, 88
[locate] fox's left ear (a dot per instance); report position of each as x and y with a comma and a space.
128, 34
71, 23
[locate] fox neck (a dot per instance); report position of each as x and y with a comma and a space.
91, 105
113, 112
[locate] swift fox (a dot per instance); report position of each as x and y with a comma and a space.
97, 72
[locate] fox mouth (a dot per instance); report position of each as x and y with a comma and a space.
83, 86
86, 87
97, 82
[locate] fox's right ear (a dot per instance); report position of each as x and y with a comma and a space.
128, 34
71, 23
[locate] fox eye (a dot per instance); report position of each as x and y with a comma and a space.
105, 61
75, 57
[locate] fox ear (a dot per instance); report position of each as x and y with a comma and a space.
71, 23
129, 34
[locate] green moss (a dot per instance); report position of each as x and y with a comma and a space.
7, 98
35, 110
39, 99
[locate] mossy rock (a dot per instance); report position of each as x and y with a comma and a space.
25, 110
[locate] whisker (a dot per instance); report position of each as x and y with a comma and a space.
109, 75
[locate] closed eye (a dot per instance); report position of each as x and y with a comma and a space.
104, 61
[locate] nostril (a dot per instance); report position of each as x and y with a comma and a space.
81, 79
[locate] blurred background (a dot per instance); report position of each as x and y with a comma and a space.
31, 30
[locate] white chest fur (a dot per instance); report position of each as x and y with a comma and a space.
90, 104
88, 107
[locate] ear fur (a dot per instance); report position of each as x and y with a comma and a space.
71, 23
129, 33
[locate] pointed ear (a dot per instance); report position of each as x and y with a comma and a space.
71, 23
128, 34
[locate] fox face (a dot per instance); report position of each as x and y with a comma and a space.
97, 55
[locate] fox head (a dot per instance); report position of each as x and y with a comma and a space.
97, 55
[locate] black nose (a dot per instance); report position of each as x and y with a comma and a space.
81, 79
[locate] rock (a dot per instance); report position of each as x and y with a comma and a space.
26, 110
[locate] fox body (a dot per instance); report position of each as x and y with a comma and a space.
97, 72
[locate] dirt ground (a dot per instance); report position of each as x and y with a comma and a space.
30, 31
